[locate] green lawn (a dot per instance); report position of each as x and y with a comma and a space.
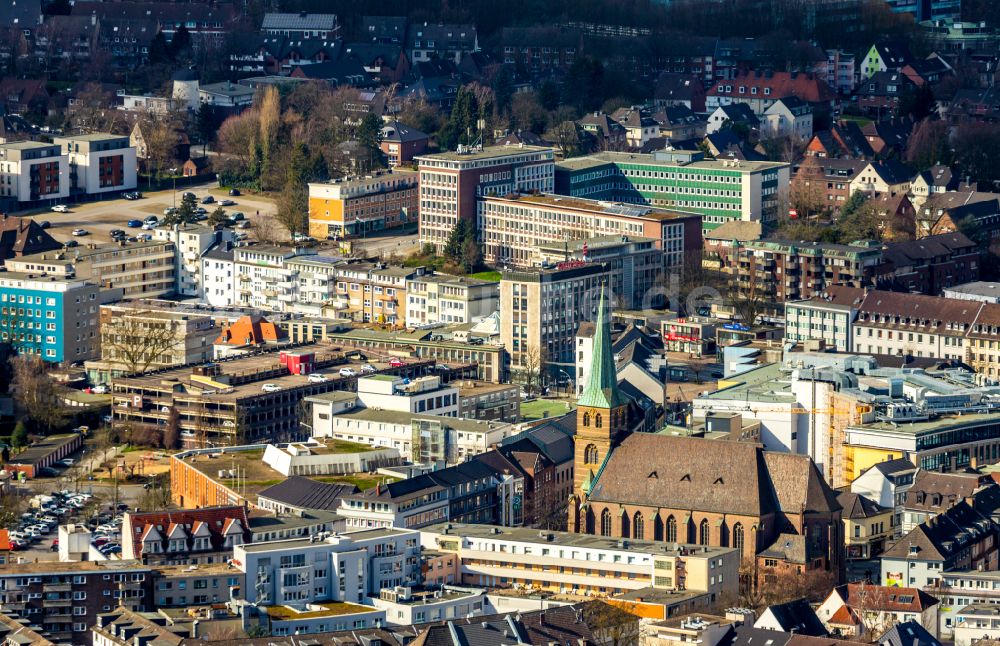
360, 480
861, 121
486, 275
542, 408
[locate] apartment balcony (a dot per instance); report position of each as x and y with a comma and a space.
56, 587
57, 603
60, 616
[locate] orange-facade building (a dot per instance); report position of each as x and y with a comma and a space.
356, 206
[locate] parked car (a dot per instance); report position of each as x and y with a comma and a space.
134, 224
45, 224
60, 208
347, 372
189, 195
149, 226
234, 192
236, 216
71, 243
396, 363
152, 219
81, 232
318, 378
208, 199
270, 388
117, 233
367, 369
227, 203
132, 195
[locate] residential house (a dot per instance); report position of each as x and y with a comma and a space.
23, 237
639, 125
935, 180
932, 493
927, 71
827, 180
384, 62
384, 29
301, 25
928, 265
908, 633
828, 317
401, 143
861, 610
888, 177
883, 57
880, 95
678, 89
679, 123
974, 213
186, 536
541, 50
788, 117
609, 132
977, 624
730, 115
844, 139
959, 538
24, 96
886, 483
761, 89
895, 217
425, 41
889, 137
791, 617
867, 526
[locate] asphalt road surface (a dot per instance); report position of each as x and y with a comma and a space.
99, 218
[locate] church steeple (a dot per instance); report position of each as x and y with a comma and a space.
602, 390
601, 421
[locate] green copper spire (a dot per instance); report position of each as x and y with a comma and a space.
601, 390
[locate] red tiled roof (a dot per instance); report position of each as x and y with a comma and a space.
885, 598
249, 330
215, 518
844, 617
805, 86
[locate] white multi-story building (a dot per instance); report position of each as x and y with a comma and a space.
451, 183
218, 276
263, 278
31, 171
339, 567
419, 437
421, 395
405, 606
99, 162
825, 319
439, 298
190, 244
317, 282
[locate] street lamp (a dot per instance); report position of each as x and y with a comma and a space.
173, 172
569, 380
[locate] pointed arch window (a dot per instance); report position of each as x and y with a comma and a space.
704, 533
738, 537
586, 419
590, 454
638, 526
606, 523
671, 530
597, 420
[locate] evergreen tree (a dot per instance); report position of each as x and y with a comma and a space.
457, 237
19, 438
205, 125
218, 217
180, 44
503, 88
461, 124
159, 50
369, 135
548, 95
185, 213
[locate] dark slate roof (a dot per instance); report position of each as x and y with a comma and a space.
892, 171
401, 133
940, 175
889, 467
747, 635
857, 506
673, 86
798, 616
894, 54
386, 29
945, 535
737, 112
915, 252
304, 493
908, 633
368, 53
554, 439
299, 21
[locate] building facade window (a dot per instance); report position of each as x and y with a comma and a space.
703, 533
606, 523
638, 526
671, 530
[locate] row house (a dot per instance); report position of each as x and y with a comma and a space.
280, 55
826, 178
915, 325
844, 139
187, 536
425, 42
541, 50
932, 264
882, 93
301, 25
762, 89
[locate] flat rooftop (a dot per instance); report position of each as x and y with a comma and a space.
207, 569
596, 206
85, 252
942, 423
569, 539
404, 418
663, 597
768, 384
301, 543
43, 448
470, 388
254, 475
977, 288
487, 152
316, 610
603, 158
92, 136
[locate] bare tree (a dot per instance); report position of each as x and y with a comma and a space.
266, 230
137, 340
157, 497
159, 134
610, 624
533, 363
35, 391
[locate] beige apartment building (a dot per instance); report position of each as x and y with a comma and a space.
140, 336
140, 269
540, 311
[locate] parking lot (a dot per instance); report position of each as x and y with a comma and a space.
100, 218
35, 534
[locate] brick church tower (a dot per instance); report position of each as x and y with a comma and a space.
601, 417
